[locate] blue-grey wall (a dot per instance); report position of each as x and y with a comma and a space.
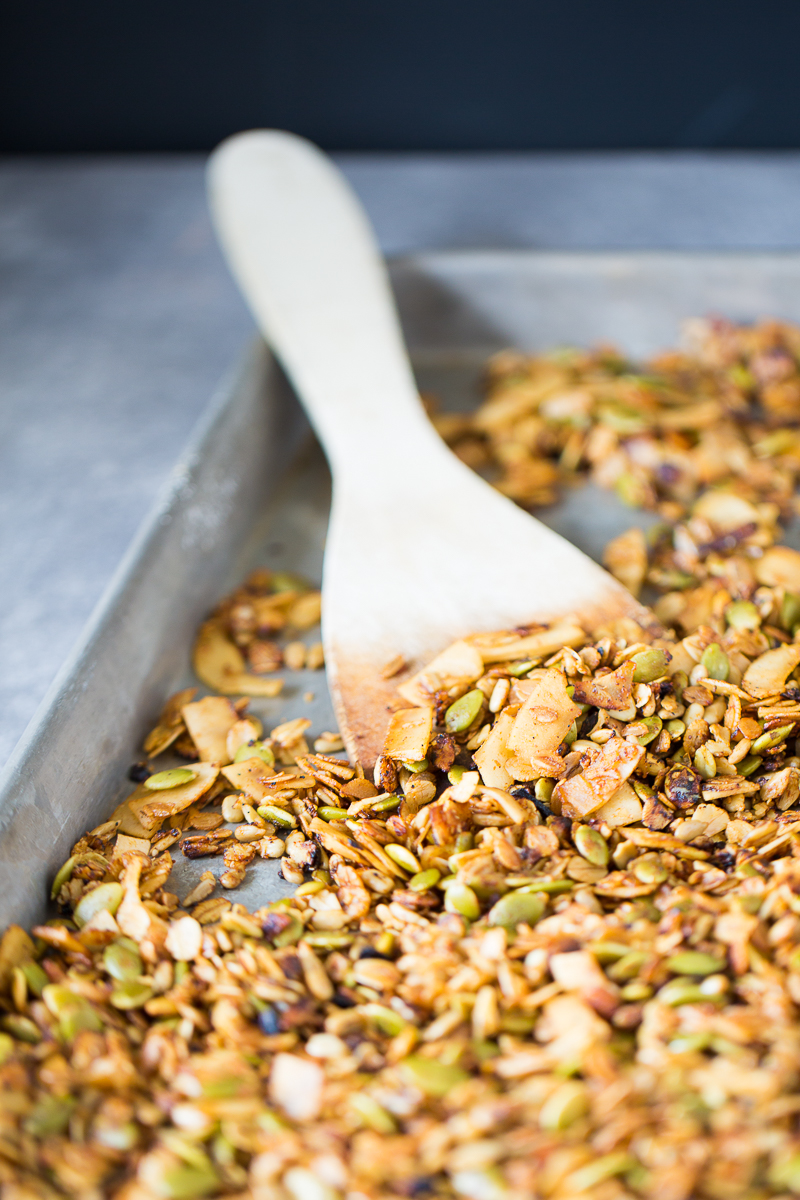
121, 75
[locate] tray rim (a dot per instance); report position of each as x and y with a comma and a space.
135, 554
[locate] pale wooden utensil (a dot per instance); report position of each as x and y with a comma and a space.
420, 550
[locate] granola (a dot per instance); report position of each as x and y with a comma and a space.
550, 949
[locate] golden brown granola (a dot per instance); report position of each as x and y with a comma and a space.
551, 949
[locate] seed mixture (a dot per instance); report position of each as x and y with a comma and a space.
549, 948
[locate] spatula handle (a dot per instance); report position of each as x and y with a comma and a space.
306, 259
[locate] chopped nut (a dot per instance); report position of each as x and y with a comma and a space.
184, 939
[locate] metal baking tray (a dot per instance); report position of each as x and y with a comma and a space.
253, 489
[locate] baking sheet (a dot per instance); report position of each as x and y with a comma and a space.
253, 489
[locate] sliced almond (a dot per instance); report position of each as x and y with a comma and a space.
209, 721
459, 665
493, 757
221, 666
150, 810
779, 566
769, 673
600, 780
502, 648
542, 722
624, 808
725, 510
612, 691
409, 734
251, 777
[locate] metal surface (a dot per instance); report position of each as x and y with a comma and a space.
253, 489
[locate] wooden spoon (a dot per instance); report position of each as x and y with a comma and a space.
420, 551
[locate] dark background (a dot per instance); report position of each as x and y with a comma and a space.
172, 75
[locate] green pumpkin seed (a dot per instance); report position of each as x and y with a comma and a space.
311, 888
332, 814
416, 767
186, 1182
715, 662
517, 1023
329, 941
60, 999
591, 845
785, 1173
742, 614
372, 1114
627, 967
278, 816
463, 712
431, 1077
385, 943
680, 991
606, 952
462, 900
634, 992
291, 935
455, 774
403, 857
50, 1117
464, 842
425, 880
563, 1107
35, 977
543, 789
649, 665
255, 750
782, 441
680, 681
106, 897
653, 726
676, 728
286, 581
704, 763
22, 1028
749, 765
518, 669
64, 873
642, 789
131, 993
516, 908
790, 611
605, 1167
649, 870
6, 1047
550, 887
388, 804
162, 781
74, 1013
768, 740
122, 960
384, 1018
694, 962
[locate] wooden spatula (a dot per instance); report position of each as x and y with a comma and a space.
420, 550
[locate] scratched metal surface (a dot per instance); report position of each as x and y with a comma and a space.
253, 489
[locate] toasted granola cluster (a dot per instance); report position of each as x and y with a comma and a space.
551, 948
725, 409
239, 643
